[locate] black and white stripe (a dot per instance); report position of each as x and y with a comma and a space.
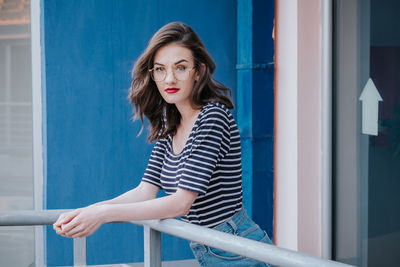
210, 165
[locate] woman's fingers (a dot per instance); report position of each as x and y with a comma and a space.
78, 223
86, 231
76, 230
70, 215
57, 228
60, 218
81, 230
71, 224
65, 218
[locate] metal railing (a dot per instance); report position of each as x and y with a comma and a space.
152, 240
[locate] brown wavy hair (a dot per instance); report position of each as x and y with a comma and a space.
164, 118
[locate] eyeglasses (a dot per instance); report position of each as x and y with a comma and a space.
181, 73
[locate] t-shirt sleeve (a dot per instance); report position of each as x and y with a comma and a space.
210, 144
153, 170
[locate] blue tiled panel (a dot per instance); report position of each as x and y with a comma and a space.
255, 98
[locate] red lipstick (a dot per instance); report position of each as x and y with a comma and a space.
171, 90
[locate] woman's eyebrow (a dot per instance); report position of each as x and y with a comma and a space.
179, 61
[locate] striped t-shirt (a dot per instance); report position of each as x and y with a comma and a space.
209, 164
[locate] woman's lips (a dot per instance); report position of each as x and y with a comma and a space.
171, 90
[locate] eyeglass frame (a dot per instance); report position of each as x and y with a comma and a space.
166, 74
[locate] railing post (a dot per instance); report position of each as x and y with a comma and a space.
80, 251
152, 247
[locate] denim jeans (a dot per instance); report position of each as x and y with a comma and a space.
240, 224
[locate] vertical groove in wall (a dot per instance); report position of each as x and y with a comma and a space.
36, 53
326, 103
244, 96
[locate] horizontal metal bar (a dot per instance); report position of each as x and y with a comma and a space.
29, 217
242, 246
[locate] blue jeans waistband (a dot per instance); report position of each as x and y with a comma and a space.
234, 221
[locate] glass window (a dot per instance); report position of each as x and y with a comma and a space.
367, 132
16, 174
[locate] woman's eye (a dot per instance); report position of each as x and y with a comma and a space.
181, 68
159, 69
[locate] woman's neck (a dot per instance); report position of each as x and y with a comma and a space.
188, 112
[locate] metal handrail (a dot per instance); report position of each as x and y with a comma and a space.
242, 246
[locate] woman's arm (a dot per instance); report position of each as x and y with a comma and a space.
87, 220
171, 206
144, 191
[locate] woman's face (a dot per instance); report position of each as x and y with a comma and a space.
174, 73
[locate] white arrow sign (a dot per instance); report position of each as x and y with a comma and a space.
370, 98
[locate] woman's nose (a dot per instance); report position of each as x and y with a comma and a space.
170, 78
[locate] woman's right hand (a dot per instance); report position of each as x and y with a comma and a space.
81, 222
64, 219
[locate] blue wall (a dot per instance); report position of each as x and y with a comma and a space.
263, 114
91, 149
255, 105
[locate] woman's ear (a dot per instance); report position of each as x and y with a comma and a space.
201, 70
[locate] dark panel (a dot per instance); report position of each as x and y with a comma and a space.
263, 184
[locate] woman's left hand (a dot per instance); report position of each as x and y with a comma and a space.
80, 223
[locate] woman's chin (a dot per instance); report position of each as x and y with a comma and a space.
169, 101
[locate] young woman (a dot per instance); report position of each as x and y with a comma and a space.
197, 157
